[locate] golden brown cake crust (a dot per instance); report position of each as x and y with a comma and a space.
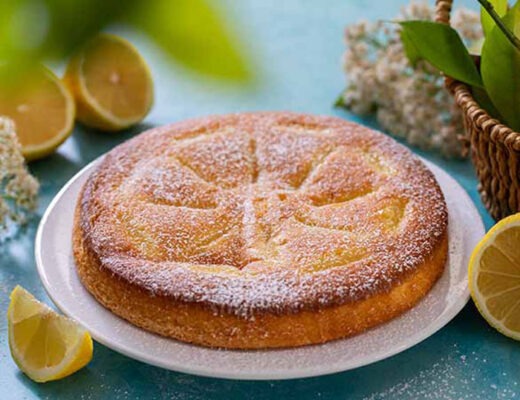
260, 230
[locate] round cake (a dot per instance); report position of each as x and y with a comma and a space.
260, 230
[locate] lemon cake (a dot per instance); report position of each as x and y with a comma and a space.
260, 230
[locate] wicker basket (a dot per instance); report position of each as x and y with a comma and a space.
495, 148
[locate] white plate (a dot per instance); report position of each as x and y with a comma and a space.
56, 268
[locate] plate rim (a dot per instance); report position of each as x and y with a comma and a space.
308, 372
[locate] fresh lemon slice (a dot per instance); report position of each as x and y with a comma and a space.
41, 107
111, 83
45, 345
494, 276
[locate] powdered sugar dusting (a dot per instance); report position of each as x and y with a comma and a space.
451, 377
266, 211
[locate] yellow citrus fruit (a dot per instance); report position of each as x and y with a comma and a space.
41, 107
44, 344
111, 84
494, 276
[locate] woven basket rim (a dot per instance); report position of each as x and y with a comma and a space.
498, 131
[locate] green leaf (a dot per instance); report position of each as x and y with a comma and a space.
36, 29
190, 31
339, 102
412, 53
500, 68
483, 100
488, 24
441, 46
194, 34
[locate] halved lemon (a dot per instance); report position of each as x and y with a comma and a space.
44, 344
111, 83
494, 276
41, 107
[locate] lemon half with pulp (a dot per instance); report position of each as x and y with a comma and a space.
494, 276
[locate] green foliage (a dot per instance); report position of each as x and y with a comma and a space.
190, 31
412, 53
193, 33
500, 6
482, 98
500, 69
496, 87
440, 45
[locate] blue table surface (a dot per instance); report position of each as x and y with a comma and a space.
296, 47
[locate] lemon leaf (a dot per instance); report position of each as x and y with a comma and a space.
483, 100
499, 68
194, 34
488, 24
190, 31
412, 53
441, 46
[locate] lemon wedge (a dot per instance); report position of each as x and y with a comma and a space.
111, 84
41, 107
44, 344
494, 276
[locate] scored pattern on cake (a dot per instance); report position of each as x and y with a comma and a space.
264, 195
268, 210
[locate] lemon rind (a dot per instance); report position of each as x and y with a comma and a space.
77, 356
35, 151
109, 119
479, 300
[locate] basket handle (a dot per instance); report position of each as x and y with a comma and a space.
443, 10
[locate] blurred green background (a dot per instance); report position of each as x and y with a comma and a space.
194, 33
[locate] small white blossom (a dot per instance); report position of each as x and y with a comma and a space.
410, 103
18, 188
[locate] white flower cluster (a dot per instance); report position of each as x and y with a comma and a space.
18, 188
408, 102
